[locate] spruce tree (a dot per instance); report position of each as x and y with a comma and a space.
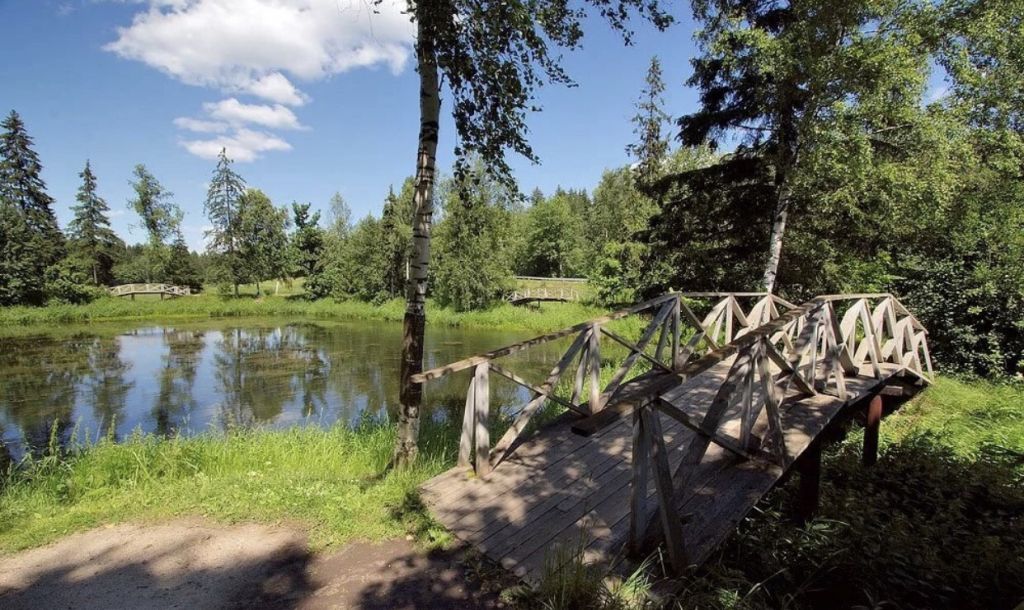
222, 208
22, 186
650, 117
308, 240
90, 232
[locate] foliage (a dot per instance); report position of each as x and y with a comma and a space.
90, 234
182, 268
262, 240
30, 239
652, 148
307, 242
20, 279
473, 268
222, 208
67, 285
553, 244
22, 186
154, 204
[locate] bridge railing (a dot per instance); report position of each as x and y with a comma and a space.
673, 337
149, 288
806, 350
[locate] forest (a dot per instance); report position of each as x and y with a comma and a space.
803, 173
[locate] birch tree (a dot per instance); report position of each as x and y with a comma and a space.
774, 76
493, 55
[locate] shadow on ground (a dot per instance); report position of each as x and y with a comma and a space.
196, 566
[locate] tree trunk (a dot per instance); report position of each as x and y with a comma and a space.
775, 241
411, 394
786, 161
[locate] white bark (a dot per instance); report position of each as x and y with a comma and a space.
411, 394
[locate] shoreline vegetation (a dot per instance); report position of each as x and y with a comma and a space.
543, 317
334, 483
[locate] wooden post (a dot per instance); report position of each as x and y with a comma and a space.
482, 401
638, 489
468, 423
874, 420
809, 467
594, 353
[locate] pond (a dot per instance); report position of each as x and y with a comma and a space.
79, 383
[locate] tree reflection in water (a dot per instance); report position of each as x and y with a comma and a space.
183, 378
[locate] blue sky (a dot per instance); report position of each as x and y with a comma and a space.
309, 103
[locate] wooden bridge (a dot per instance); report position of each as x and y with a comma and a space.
164, 290
521, 296
562, 293
701, 417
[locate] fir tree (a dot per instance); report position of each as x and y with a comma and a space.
650, 117
90, 232
22, 186
222, 208
307, 241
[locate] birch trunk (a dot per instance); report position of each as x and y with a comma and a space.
779, 216
411, 394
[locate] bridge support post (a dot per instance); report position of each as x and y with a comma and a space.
809, 467
871, 427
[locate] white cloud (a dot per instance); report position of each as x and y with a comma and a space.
200, 126
243, 145
276, 88
236, 113
259, 46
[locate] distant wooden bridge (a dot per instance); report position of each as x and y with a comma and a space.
678, 454
164, 290
563, 293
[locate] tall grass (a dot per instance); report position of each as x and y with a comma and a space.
549, 316
331, 481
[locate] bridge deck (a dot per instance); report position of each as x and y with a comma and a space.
559, 488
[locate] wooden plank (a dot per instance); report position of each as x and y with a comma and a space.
636, 349
482, 400
670, 525
620, 375
544, 394
468, 421
594, 353
638, 485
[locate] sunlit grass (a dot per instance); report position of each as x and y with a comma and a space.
547, 317
330, 481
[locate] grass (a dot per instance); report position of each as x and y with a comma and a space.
547, 317
937, 523
328, 481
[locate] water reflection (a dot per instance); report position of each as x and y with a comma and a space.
92, 381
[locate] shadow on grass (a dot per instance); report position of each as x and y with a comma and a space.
923, 528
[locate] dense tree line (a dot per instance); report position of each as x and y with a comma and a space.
813, 163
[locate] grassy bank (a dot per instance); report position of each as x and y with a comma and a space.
548, 316
328, 481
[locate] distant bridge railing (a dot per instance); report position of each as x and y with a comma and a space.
526, 295
130, 290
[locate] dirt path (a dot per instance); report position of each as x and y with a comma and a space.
197, 565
